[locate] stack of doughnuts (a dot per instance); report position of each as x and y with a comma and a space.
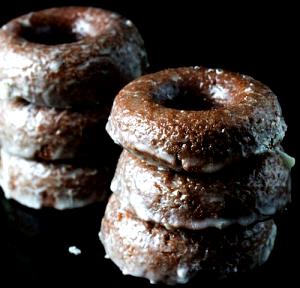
59, 71
201, 175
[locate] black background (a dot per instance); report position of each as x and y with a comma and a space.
250, 38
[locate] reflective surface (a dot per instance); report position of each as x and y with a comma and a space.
34, 249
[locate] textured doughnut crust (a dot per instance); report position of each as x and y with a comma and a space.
252, 191
31, 131
142, 249
108, 53
62, 186
245, 119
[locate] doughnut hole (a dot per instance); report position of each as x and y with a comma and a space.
189, 97
49, 29
49, 34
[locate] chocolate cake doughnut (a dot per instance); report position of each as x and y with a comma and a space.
45, 184
64, 57
196, 119
143, 249
253, 191
31, 131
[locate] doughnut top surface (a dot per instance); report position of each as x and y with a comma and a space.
196, 119
69, 56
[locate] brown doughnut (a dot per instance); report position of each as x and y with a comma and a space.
252, 191
41, 184
196, 119
31, 131
62, 57
143, 249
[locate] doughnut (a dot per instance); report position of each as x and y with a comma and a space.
148, 250
45, 184
39, 132
65, 57
195, 119
253, 191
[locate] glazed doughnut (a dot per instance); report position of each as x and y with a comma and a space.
31, 131
63, 57
196, 119
143, 249
253, 191
41, 184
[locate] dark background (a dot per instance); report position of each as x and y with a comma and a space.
250, 38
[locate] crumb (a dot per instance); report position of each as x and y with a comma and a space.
74, 250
